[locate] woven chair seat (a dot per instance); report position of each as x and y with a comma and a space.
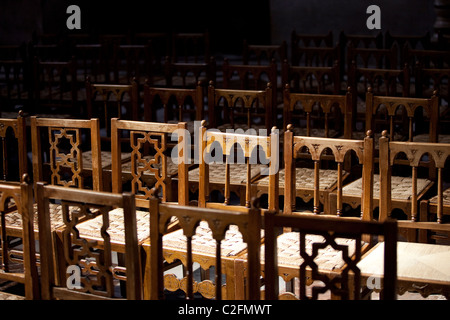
238, 173
240, 126
106, 159
116, 230
315, 132
204, 243
14, 94
177, 81
304, 178
327, 259
401, 187
443, 138
445, 198
14, 219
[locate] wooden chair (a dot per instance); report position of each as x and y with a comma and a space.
19, 197
314, 234
373, 58
148, 173
405, 118
311, 40
16, 78
15, 208
234, 253
90, 62
213, 247
321, 80
251, 77
89, 270
260, 54
131, 63
55, 90
325, 110
57, 157
13, 141
409, 182
317, 56
326, 115
243, 109
159, 44
436, 153
150, 166
382, 82
330, 259
362, 40
107, 101
324, 183
66, 152
13, 52
15, 86
247, 157
48, 52
308, 40
434, 81
402, 41
188, 74
176, 104
191, 47
357, 41
413, 41
432, 59
420, 266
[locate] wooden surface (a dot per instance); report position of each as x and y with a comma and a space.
420, 262
420, 267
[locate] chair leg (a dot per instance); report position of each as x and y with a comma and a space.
423, 212
59, 262
236, 288
146, 269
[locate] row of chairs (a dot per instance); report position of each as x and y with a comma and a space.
326, 75
139, 161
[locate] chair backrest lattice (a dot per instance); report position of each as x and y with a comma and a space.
93, 266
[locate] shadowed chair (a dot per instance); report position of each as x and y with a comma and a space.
89, 269
206, 235
19, 197
251, 77
325, 110
149, 172
260, 54
314, 235
191, 47
176, 103
57, 157
330, 260
416, 185
307, 79
234, 250
107, 101
240, 109
55, 88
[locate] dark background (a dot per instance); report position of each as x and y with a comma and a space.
229, 22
